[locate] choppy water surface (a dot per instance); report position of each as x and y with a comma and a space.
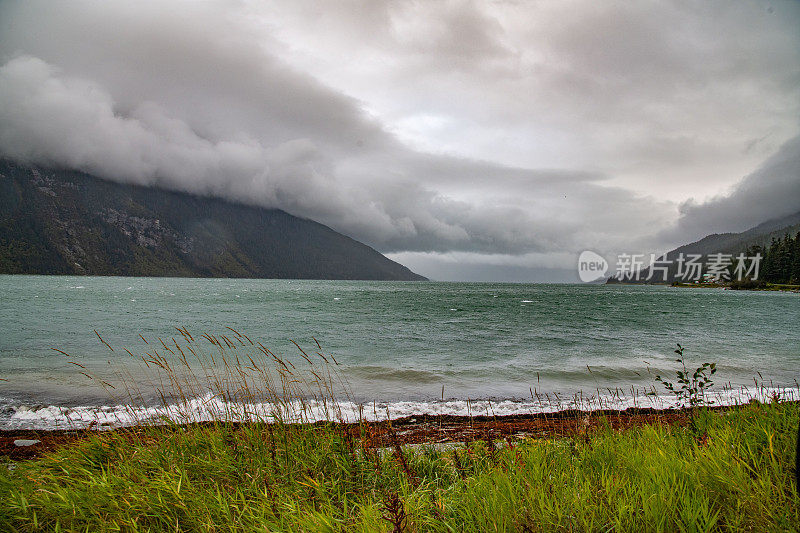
398, 343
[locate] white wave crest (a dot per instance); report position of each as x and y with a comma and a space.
211, 408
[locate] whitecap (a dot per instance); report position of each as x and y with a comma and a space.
211, 407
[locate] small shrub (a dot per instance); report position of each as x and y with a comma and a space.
690, 389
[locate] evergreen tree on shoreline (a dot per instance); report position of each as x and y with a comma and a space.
781, 263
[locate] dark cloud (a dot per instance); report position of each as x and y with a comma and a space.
772, 191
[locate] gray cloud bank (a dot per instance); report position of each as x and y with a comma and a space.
772, 191
217, 99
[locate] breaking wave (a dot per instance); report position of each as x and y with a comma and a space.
213, 408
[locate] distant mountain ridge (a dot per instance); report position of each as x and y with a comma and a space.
727, 243
68, 222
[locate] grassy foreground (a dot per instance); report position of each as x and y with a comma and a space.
734, 473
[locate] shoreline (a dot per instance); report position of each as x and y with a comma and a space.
770, 287
422, 429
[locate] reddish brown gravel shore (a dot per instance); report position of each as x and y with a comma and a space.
409, 430
419, 429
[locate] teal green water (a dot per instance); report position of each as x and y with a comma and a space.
402, 341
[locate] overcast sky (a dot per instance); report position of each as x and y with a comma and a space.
467, 140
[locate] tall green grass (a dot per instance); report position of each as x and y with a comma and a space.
224, 377
734, 474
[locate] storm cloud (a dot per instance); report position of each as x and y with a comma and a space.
498, 135
771, 192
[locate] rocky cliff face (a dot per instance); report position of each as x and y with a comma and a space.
65, 222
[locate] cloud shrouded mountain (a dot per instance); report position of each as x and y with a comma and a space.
455, 132
66, 222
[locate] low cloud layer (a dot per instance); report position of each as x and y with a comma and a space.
370, 192
442, 133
